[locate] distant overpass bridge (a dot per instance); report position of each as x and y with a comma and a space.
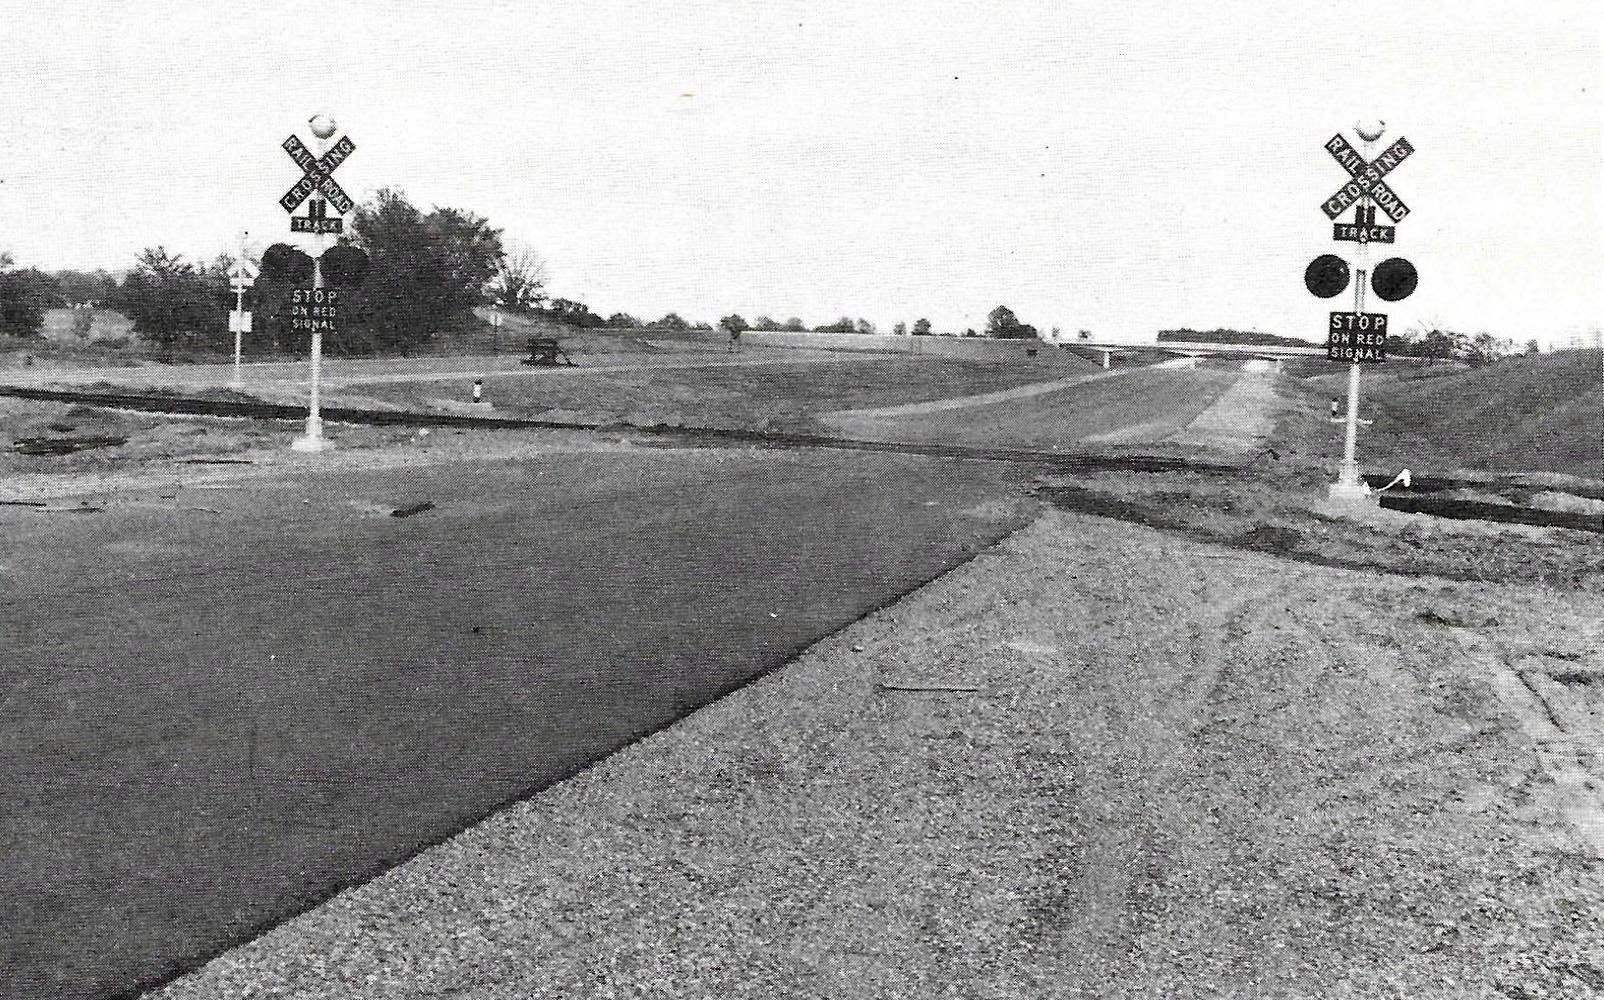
1196, 349
1205, 349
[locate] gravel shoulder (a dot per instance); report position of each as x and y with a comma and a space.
1165, 768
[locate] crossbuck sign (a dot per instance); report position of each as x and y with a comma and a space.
316, 174
1367, 178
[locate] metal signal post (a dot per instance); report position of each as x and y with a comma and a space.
322, 129
1348, 483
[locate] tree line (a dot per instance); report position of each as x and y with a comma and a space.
428, 272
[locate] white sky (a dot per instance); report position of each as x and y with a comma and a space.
1109, 166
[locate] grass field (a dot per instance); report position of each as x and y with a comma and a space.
1135, 407
777, 393
1537, 412
219, 711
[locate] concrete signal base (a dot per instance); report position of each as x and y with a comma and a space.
1349, 491
308, 443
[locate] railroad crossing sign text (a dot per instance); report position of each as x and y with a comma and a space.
1367, 177
316, 174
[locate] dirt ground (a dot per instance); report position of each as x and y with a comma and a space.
1053, 772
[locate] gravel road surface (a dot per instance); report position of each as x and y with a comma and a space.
1144, 767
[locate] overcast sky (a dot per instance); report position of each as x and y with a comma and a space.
1115, 167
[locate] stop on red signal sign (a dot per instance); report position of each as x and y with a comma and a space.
1357, 336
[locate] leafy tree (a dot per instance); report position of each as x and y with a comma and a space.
703, 325
673, 321
864, 326
1004, 325
427, 273
1442, 344
622, 320
999, 321
24, 297
1484, 349
521, 282
573, 313
765, 323
899, 329
921, 327
734, 325
842, 325
794, 325
95, 287
1533, 347
174, 303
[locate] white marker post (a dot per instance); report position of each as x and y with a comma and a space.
239, 322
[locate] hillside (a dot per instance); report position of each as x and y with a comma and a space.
1538, 412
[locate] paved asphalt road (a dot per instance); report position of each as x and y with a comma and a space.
210, 721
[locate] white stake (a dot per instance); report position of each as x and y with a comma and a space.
239, 325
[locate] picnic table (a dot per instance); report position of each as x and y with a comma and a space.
546, 351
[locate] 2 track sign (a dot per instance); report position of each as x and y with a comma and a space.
317, 176
1363, 229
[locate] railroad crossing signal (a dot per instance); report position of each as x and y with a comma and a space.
316, 174
1367, 178
1326, 276
1394, 279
